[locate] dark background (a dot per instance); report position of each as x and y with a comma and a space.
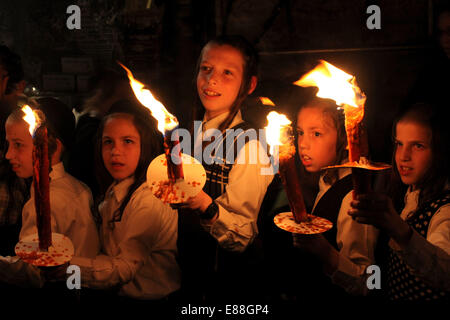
161, 40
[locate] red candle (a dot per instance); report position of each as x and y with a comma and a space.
41, 188
289, 177
279, 133
172, 150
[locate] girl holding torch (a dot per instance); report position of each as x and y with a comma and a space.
216, 231
348, 248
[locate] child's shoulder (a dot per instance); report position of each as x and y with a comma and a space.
70, 189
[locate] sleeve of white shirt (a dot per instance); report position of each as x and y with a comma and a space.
71, 217
429, 258
15, 271
235, 227
143, 226
356, 243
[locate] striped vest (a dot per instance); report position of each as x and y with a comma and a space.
218, 171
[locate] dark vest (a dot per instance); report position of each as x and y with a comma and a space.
329, 205
210, 271
318, 284
402, 284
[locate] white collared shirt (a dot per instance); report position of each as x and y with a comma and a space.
236, 227
138, 254
356, 242
70, 205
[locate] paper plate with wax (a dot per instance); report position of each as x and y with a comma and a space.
60, 252
315, 225
368, 165
178, 192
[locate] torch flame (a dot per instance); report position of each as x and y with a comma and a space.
30, 118
266, 101
276, 129
333, 83
166, 121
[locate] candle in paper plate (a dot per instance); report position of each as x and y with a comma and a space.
167, 124
279, 137
341, 87
41, 180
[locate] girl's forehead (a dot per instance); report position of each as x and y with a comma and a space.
314, 117
413, 130
119, 125
222, 53
17, 127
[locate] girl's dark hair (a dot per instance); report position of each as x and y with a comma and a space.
251, 63
151, 146
434, 181
337, 117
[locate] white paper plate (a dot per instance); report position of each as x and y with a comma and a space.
60, 252
158, 181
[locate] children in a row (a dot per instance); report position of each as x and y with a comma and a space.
217, 229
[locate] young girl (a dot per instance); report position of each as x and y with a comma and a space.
418, 264
138, 231
70, 200
217, 231
348, 248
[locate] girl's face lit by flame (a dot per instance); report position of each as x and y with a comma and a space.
20, 148
317, 138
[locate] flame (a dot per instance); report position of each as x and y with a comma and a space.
30, 118
166, 121
333, 83
278, 125
266, 101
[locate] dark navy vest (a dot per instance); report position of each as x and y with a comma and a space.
402, 284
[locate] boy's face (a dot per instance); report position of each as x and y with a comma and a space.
413, 154
219, 78
317, 138
20, 148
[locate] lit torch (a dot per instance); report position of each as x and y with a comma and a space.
38, 131
341, 87
167, 123
279, 134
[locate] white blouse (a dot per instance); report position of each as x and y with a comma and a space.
139, 253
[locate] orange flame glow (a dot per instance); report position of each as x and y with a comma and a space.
30, 118
266, 101
166, 121
341, 87
277, 130
333, 83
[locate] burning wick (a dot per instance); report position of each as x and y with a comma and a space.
341, 87
167, 124
41, 180
279, 133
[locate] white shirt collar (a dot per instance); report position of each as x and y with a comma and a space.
120, 189
216, 121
